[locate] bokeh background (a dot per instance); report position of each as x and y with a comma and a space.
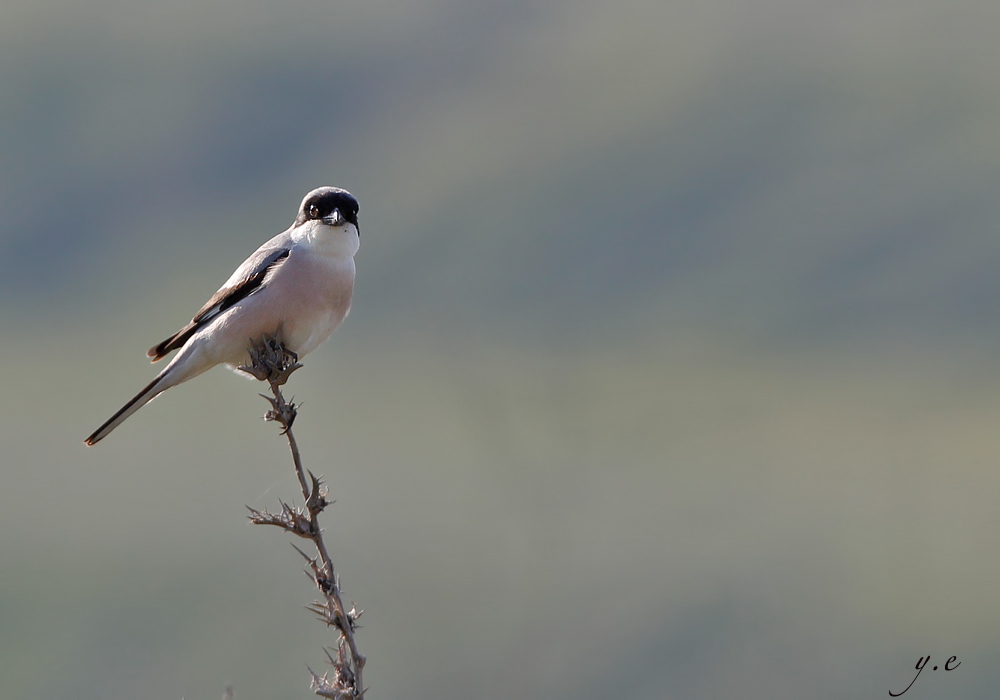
671, 371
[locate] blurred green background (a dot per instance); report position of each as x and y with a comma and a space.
671, 371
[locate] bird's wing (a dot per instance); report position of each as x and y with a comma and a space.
248, 278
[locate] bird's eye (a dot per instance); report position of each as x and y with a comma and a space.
313, 211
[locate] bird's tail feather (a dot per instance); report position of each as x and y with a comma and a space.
153, 389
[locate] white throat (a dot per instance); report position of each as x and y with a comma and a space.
334, 241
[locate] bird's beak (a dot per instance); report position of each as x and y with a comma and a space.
334, 219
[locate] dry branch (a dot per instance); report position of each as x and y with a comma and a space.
272, 363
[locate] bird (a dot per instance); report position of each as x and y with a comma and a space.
297, 287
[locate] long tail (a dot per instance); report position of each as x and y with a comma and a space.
153, 389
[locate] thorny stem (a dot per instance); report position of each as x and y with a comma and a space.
294, 446
271, 362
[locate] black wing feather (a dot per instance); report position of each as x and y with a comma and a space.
220, 301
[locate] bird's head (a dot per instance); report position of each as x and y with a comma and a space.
330, 206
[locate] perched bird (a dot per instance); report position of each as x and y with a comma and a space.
296, 287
